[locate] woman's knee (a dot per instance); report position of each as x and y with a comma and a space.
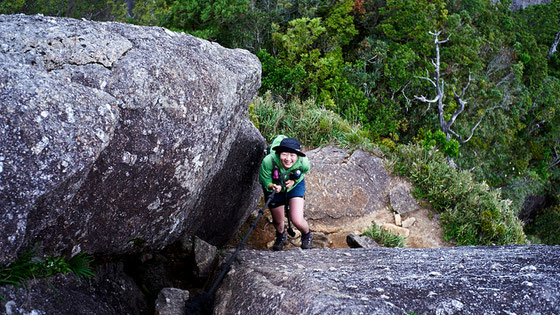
296, 213
277, 214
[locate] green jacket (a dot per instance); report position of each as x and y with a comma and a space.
265, 174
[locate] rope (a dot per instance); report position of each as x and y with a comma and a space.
201, 304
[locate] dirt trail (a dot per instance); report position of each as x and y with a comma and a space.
424, 233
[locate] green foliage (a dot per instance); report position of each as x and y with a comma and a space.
280, 79
384, 237
93, 10
29, 266
314, 46
438, 140
79, 265
207, 19
11, 6
472, 214
340, 24
147, 12
312, 125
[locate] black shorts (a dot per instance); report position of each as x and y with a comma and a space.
280, 198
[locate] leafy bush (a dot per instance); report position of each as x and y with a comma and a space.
29, 266
472, 214
437, 139
312, 125
384, 237
282, 80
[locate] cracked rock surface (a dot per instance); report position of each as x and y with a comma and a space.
459, 280
114, 138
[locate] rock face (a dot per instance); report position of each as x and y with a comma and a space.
116, 138
522, 4
460, 280
110, 292
401, 200
343, 191
171, 301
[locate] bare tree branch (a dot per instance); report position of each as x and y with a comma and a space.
439, 85
425, 100
522, 182
400, 89
433, 63
472, 130
462, 103
554, 45
556, 160
428, 79
451, 131
404, 94
436, 41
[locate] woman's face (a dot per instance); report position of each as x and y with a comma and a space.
288, 159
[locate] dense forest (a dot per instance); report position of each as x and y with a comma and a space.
472, 78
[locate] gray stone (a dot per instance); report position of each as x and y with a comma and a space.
342, 189
204, 255
401, 200
117, 138
171, 301
110, 292
358, 241
459, 280
522, 4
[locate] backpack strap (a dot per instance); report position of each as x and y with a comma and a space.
279, 177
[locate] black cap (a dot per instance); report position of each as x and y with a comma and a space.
289, 145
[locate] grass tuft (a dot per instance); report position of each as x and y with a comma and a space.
384, 237
29, 266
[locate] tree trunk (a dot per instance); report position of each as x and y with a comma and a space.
554, 45
130, 7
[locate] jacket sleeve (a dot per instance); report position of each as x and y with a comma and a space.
265, 173
305, 165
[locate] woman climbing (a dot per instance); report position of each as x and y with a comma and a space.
282, 170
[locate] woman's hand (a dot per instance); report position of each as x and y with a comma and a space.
274, 187
289, 183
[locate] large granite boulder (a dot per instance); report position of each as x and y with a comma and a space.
344, 191
116, 138
460, 280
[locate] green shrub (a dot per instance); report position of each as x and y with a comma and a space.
305, 120
384, 237
471, 213
29, 266
438, 140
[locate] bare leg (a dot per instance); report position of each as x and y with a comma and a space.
278, 218
296, 214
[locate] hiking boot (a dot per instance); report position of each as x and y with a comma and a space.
306, 240
279, 242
